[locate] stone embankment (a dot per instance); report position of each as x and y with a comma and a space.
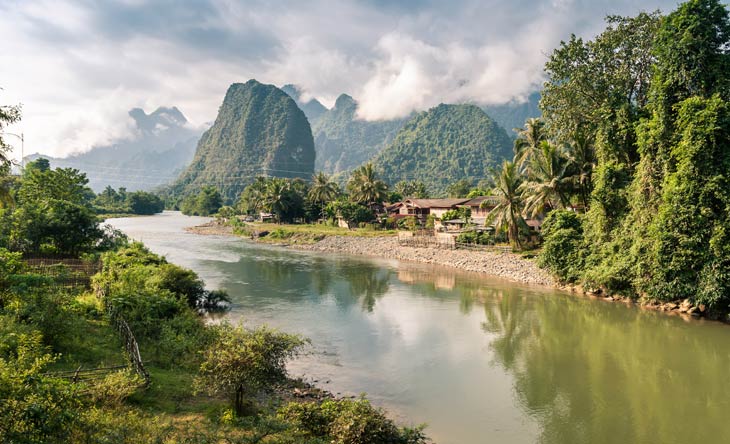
504, 265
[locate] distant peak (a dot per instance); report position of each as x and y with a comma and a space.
292, 90
167, 116
344, 101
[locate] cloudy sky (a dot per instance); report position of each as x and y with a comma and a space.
77, 67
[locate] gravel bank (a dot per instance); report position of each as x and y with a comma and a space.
505, 265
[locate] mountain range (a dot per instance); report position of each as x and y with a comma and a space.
161, 145
260, 130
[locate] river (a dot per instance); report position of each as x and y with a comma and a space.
479, 360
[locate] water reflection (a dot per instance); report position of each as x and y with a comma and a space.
480, 360
596, 372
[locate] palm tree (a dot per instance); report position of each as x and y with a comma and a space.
323, 189
508, 212
547, 180
277, 197
583, 159
365, 187
528, 141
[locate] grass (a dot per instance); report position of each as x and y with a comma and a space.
307, 233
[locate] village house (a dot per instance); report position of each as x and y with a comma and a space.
422, 208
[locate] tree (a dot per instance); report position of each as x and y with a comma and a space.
365, 187
54, 213
205, 203
529, 140
8, 116
351, 212
279, 198
323, 189
547, 180
252, 197
241, 362
459, 188
414, 189
507, 215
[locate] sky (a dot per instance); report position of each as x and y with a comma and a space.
77, 67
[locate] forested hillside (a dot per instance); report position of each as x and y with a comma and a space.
443, 145
345, 142
259, 130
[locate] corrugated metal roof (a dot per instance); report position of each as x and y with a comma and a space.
434, 203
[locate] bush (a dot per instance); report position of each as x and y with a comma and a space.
349, 422
562, 251
476, 237
241, 363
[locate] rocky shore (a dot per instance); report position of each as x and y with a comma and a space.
504, 265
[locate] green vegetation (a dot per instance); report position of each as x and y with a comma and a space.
365, 187
345, 142
111, 201
50, 212
117, 358
259, 130
208, 201
647, 100
442, 143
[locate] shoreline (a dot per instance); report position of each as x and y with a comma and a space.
504, 265
508, 266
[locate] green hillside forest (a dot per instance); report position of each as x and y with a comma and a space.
345, 142
443, 145
259, 130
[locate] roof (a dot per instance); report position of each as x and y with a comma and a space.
477, 201
434, 203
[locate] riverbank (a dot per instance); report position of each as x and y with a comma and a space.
509, 266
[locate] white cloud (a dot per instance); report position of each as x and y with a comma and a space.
79, 66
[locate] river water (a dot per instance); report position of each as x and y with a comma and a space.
479, 360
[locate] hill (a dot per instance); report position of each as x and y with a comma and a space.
344, 142
162, 144
259, 130
443, 145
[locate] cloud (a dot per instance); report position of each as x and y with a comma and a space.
78, 66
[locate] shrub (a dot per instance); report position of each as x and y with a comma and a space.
349, 422
240, 363
562, 249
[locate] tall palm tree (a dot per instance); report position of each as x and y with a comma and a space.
582, 153
365, 187
528, 141
323, 189
508, 212
547, 180
277, 197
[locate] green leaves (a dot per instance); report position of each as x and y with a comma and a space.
241, 362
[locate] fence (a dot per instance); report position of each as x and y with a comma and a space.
446, 241
65, 272
81, 374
